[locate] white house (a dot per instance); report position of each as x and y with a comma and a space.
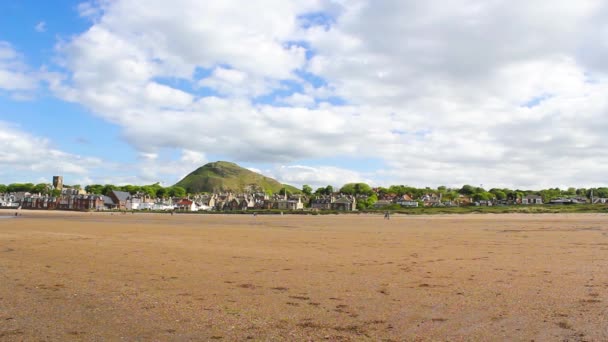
532, 199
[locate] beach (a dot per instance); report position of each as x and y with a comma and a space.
111, 276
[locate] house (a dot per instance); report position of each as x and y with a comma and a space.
532, 199
235, 204
186, 205
119, 198
568, 201
108, 203
382, 203
321, 203
483, 203
294, 203
88, 202
600, 200
406, 201
431, 200
348, 203
463, 200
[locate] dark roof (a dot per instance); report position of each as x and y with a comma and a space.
121, 195
343, 200
107, 200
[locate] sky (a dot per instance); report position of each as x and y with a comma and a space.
492, 93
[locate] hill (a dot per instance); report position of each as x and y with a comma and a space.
226, 176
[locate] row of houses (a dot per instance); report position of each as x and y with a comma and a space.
77, 199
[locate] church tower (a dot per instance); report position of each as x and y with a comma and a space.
58, 182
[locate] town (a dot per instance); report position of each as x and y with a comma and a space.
351, 197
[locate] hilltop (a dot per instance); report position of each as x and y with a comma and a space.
226, 176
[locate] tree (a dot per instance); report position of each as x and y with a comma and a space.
284, 192
41, 188
356, 189
307, 190
177, 191
150, 190
481, 196
2, 188
96, 189
20, 187
107, 189
329, 190
368, 202
500, 195
162, 192
132, 189
467, 190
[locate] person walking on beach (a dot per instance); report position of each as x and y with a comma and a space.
387, 215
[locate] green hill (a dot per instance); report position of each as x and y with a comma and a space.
226, 176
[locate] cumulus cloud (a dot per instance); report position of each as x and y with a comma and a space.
319, 176
23, 153
15, 76
504, 93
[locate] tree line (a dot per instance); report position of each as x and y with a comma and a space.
153, 190
354, 189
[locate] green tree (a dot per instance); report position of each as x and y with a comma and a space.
481, 196
20, 187
307, 190
368, 202
41, 188
284, 191
132, 189
356, 189
162, 193
107, 189
3, 188
150, 190
177, 191
96, 189
499, 194
467, 190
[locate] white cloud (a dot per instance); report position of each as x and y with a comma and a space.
503, 93
40, 27
316, 177
14, 74
24, 154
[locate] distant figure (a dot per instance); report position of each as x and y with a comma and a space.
16, 214
171, 213
387, 215
255, 214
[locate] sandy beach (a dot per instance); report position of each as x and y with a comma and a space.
101, 276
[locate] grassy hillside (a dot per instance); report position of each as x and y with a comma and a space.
226, 176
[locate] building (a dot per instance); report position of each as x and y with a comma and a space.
321, 203
186, 205
383, 203
119, 198
532, 199
348, 203
58, 182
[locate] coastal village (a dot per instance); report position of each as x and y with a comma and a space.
75, 198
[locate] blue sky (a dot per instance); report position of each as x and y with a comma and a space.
314, 92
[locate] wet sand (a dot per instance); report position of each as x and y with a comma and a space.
75, 276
